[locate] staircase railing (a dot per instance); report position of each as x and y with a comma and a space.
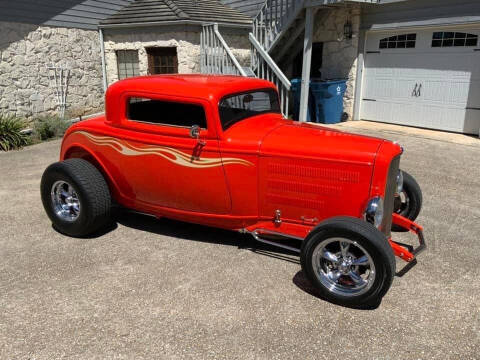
215, 55
268, 27
267, 69
273, 19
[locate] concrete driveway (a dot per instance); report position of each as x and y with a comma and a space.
162, 289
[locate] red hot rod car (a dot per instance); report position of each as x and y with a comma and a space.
216, 150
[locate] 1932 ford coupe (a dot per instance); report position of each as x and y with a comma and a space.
216, 150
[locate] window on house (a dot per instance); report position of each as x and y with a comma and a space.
127, 63
448, 39
162, 60
162, 112
404, 41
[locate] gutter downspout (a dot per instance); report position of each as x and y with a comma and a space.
102, 50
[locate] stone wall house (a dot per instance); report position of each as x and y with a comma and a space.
184, 39
137, 36
167, 40
36, 36
435, 38
27, 85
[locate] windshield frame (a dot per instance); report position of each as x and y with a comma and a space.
271, 111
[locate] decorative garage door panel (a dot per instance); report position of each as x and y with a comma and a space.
423, 85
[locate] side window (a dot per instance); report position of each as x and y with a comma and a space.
235, 108
162, 112
127, 63
448, 39
399, 42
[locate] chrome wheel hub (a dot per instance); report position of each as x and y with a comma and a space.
65, 201
343, 266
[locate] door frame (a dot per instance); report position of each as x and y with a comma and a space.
178, 139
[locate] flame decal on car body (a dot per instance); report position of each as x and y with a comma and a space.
168, 153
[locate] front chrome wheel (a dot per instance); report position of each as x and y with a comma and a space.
65, 200
343, 266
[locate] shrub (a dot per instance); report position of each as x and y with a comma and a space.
11, 136
49, 127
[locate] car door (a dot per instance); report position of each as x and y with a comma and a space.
162, 164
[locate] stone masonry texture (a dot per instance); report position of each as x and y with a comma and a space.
339, 53
27, 88
187, 43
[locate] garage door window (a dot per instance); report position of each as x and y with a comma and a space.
399, 41
448, 39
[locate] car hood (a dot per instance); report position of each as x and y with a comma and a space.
294, 139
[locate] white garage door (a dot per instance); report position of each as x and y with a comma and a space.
427, 78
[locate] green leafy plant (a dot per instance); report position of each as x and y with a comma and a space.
11, 136
49, 127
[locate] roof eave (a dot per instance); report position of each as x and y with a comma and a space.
173, 22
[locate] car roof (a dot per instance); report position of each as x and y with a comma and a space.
190, 85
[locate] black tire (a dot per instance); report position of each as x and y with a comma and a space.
90, 188
370, 239
409, 203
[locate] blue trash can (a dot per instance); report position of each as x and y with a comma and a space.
328, 97
296, 92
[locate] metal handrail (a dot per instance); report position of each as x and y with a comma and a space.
273, 19
268, 27
267, 69
271, 63
228, 51
216, 56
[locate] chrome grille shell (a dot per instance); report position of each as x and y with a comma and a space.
388, 203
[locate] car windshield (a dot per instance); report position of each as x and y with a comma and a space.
235, 108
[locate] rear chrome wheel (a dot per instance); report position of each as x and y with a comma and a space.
343, 266
76, 197
65, 201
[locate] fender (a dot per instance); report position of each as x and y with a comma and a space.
78, 150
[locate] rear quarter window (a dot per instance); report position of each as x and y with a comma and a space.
169, 113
